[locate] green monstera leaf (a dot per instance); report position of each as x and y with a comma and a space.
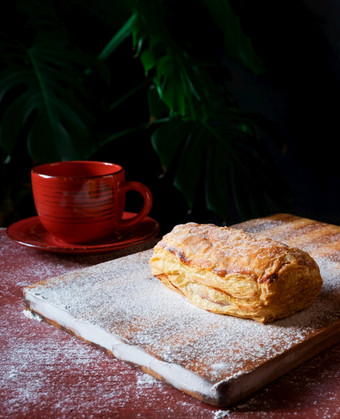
237, 44
207, 144
43, 98
177, 75
228, 164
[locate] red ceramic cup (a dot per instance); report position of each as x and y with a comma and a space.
83, 201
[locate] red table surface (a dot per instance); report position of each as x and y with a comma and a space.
46, 372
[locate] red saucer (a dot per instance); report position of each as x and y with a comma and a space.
30, 232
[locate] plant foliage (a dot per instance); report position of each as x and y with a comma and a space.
208, 139
204, 141
45, 97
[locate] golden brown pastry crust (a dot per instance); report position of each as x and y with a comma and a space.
228, 271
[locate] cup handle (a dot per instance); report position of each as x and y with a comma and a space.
147, 202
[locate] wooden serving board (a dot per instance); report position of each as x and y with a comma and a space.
218, 359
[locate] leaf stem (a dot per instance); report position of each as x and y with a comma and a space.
127, 131
122, 133
129, 94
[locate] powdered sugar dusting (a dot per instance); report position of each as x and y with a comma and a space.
122, 298
222, 414
77, 380
33, 316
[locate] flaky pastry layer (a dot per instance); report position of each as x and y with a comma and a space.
228, 271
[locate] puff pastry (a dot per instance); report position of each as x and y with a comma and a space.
228, 271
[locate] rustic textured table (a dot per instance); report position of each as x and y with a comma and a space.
46, 372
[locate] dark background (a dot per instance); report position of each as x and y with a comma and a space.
299, 43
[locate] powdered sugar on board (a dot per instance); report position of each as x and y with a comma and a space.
76, 379
48, 373
120, 306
